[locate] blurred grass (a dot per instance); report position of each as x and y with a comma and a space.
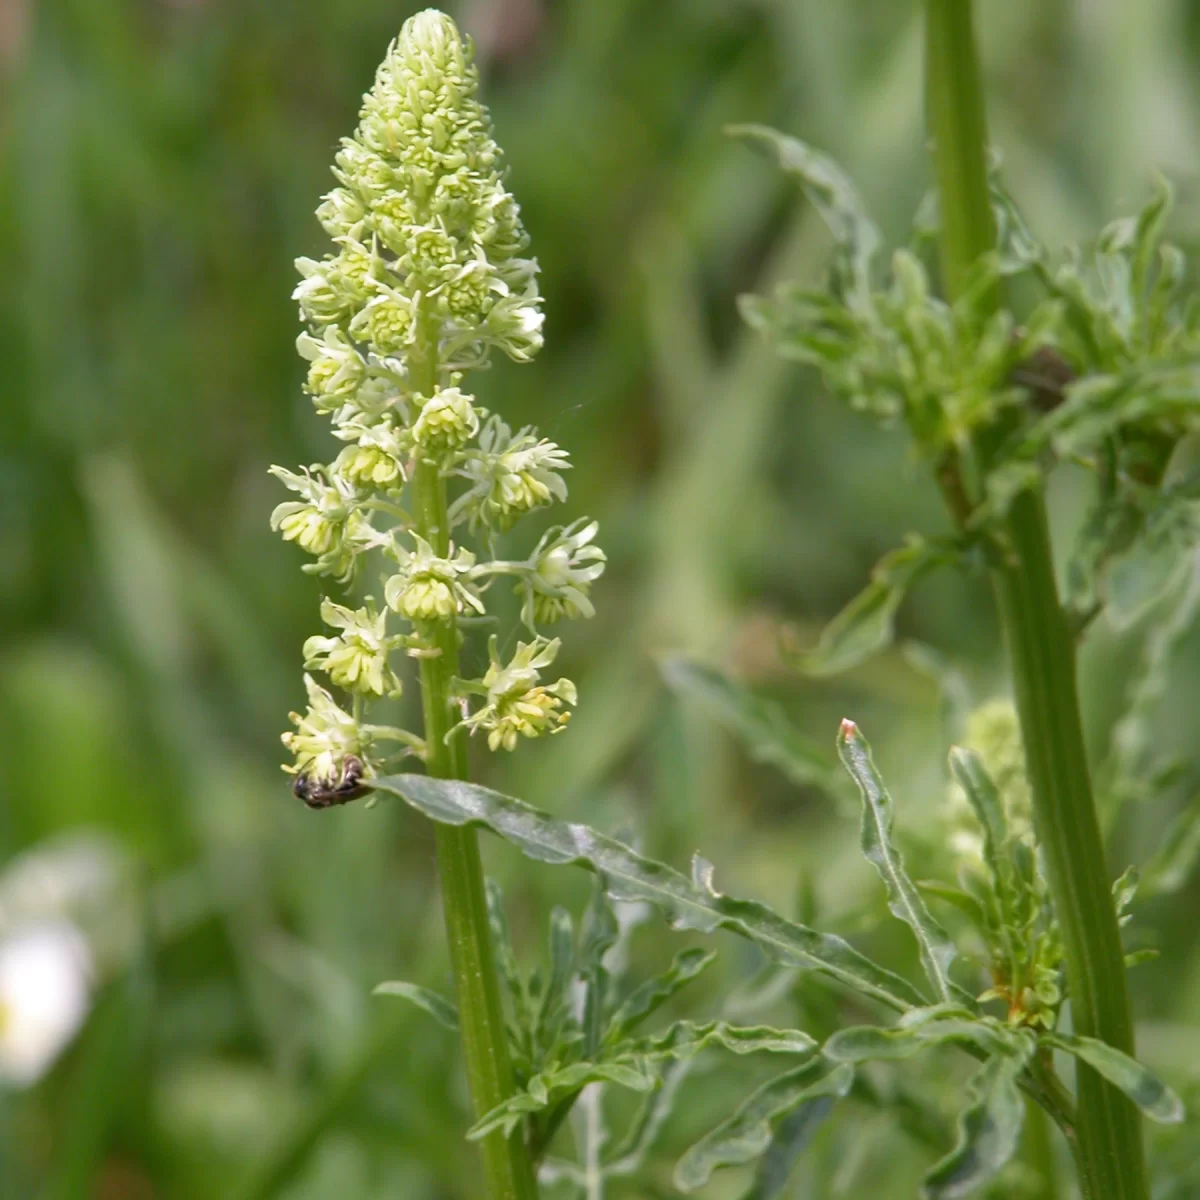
160, 162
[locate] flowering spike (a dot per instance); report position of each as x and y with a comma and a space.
427, 275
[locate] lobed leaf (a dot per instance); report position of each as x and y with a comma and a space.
789, 1107
904, 900
989, 1130
760, 725
1138, 1082
438, 1007
627, 875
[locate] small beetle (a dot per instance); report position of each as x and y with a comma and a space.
324, 793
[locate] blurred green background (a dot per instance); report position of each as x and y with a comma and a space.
160, 161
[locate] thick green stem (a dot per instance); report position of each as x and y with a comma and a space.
508, 1173
1042, 650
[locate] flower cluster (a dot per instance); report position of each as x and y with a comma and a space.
428, 276
1006, 880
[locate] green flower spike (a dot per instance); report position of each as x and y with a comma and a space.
428, 275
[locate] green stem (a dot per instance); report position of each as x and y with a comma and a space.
508, 1173
1111, 1155
1039, 1153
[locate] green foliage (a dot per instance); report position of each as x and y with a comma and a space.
771, 1126
761, 726
866, 625
160, 164
938, 952
988, 1131
628, 876
775, 1122
899, 353
1150, 1094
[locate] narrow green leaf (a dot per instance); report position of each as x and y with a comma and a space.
1172, 864
867, 624
937, 950
967, 904
555, 1000
635, 1065
831, 193
1124, 890
984, 797
654, 993
626, 875
506, 959
438, 1007
989, 1130
750, 1132
760, 725
868, 1043
548, 1087
1138, 1082
686, 1038
600, 934
789, 1142
629, 1154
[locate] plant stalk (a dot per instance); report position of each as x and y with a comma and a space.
1042, 650
508, 1172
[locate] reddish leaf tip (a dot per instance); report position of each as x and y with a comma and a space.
848, 730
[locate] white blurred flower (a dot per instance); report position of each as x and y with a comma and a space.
45, 993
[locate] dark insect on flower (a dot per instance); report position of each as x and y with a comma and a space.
325, 793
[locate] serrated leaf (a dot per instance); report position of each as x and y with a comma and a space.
867, 624
831, 193
1138, 1082
627, 875
654, 993
634, 1065
937, 950
989, 1131
760, 725
750, 1131
438, 1007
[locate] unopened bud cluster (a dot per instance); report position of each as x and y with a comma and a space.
427, 277
1025, 949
